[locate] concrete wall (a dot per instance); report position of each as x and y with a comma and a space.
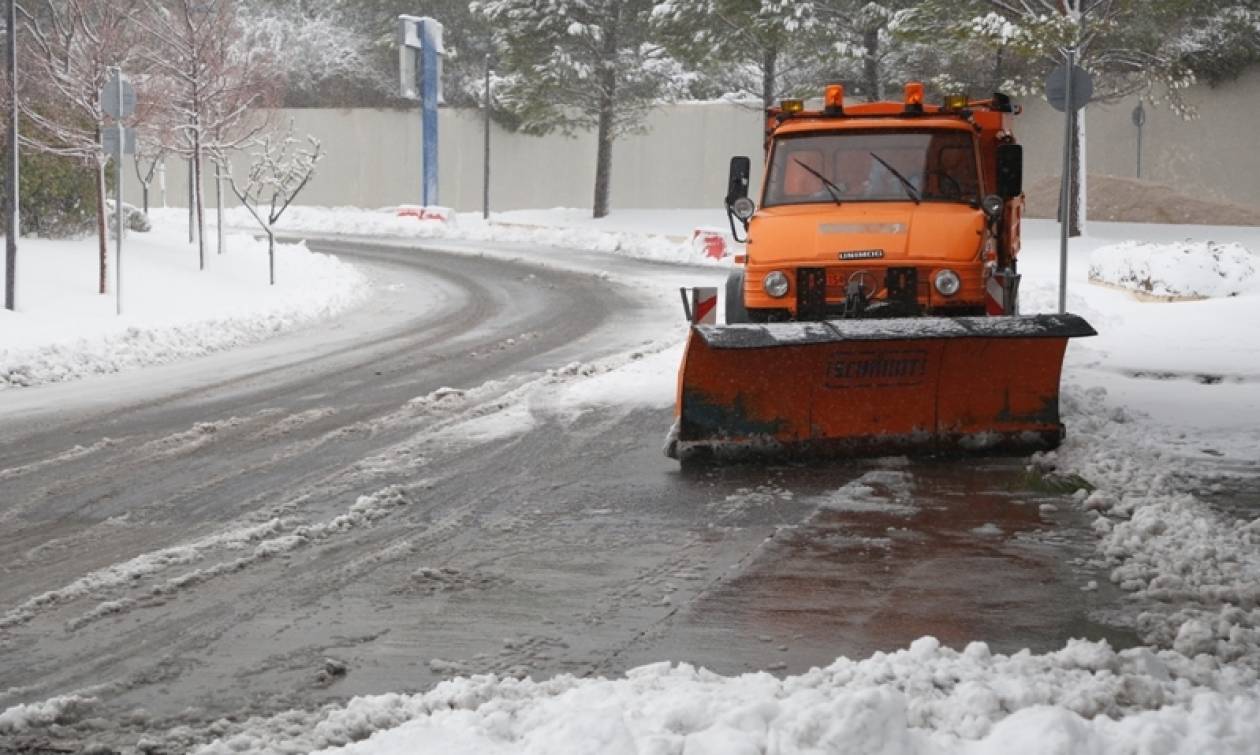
681, 158
1214, 155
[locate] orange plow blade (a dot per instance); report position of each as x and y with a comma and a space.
873, 387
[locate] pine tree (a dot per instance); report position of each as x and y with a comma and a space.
578, 65
1226, 43
747, 47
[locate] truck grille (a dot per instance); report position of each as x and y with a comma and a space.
838, 277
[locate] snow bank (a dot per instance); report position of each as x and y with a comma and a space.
58, 710
1193, 571
64, 330
637, 234
924, 699
1198, 269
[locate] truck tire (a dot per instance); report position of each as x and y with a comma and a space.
735, 311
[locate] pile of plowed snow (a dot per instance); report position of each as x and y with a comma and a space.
1194, 269
1113, 198
926, 700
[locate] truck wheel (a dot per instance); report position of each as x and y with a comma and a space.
735, 311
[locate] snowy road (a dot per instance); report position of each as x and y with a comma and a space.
364, 508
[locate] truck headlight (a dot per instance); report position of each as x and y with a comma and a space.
775, 284
743, 208
947, 282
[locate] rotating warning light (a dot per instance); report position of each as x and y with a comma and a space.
914, 96
833, 99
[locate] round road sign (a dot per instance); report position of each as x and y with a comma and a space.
1139, 116
1056, 88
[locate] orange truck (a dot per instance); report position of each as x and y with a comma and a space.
876, 307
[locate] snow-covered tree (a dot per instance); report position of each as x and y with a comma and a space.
280, 166
321, 55
371, 26
1226, 42
857, 37
1128, 46
757, 48
214, 84
67, 49
577, 65
147, 161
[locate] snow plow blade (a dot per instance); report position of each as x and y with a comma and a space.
872, 387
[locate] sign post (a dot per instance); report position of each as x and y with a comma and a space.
1068, 88
1139, 120
118, 100
420, 68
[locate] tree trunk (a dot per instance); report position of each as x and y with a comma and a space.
1074, 208
607, 105
1080, 177
218, 204
870, 66
200, 203
271, 255
603, 158
146, 199
769, 76
192, 212
999, 70
101, 233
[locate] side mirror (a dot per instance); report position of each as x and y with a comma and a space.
1010, 170
737, 184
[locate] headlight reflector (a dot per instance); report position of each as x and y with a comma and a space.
776, 284
743, 208
947, 282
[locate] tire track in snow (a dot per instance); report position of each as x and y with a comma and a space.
132, 570
144, 456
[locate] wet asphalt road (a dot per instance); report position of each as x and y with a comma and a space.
203, 550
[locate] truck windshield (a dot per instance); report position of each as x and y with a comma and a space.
852, 166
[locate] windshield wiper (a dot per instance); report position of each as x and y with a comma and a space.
832, 189
912, 192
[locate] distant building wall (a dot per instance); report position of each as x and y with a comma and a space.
681, 158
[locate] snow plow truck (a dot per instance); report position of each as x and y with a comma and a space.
875, 309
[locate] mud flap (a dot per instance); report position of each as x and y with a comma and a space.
870, 387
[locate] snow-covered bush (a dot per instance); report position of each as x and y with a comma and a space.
134, 217
1194, 269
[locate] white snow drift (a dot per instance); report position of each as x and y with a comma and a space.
1194, 269
923, 700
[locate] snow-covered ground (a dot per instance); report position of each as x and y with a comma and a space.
664, 235
1163, 413
63, 329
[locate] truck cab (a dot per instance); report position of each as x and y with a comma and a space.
888, 209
